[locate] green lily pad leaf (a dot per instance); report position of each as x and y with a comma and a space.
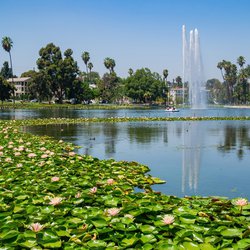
158, 180
166, 246
8, 234
96, 244
75, 220
56, 244
29, 234
147, 247
243, 244
119, 226
128, 242
148, 238
99, 222
184, 233
147, 228
47, 210
18, 209
198, 237
62, 233
206, 246
28, 243
232, 232
187, 220
189, 246
49, 236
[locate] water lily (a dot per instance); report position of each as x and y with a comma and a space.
241, 202
55, 201
8, 159
31, 155
72, 153
55, 178
17, 154
19, 165
44, 156
168, 219
110, 181
1, 148
36, 227
78, 195
130, 216
113, 211
93, 190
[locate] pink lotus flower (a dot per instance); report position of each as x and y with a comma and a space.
20, 148
1, 147
1, 153
78, 195
168, 219
113, 211
11, 142
31, 155
72, 153
8, 159
19, 165
110, 181
44, 156
36, 227
93, 190
55, 178
42, 148
55, 201
241, 202
17, 154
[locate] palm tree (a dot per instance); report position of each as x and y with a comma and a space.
165, 74
130, 72
85, 58
109, 63
241, 61
90, 66
7, 45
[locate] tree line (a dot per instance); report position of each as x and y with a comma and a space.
58, 78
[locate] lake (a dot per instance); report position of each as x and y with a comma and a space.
195, 158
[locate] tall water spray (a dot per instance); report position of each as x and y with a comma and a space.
193, 69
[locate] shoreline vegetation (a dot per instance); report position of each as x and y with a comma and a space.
52, 198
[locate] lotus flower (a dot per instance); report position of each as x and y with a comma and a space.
168, 219
55, 178
19, 165
44, 156
113, 211
17, 154
93, 190
78, 195
8, 159
31, 155
72, 153
241, 202
1, 153
1, 147
55, 201
36, 227
110, 181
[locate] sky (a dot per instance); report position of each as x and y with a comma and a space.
135, 33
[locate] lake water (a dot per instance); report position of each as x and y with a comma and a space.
195, 158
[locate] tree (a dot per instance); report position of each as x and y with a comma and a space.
6, 71
58, 72
5, 89
165, 75
90, 67
7, 45
229, 74
109, 63
130, 72
242, 78
144, 86
86, 58
178, 81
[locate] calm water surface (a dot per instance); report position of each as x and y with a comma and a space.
195, 158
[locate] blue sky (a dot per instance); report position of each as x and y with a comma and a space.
135, 33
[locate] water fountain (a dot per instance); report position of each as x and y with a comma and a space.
193, 69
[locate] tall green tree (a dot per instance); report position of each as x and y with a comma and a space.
90, 67
144, 86
5, 89
86, 58
110, 64
130, 72
7, 45
242, 79
6, 71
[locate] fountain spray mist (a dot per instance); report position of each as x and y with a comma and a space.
193, 69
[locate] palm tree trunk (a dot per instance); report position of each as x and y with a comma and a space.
12, 78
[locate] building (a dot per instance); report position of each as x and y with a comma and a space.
176, 94
21, 85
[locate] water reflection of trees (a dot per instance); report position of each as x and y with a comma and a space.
235, 138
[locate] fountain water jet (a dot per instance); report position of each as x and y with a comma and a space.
193, 69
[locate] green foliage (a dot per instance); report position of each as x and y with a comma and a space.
6, 71
144, 86
98, 208
5, 89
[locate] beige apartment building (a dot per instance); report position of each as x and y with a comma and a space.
20, 85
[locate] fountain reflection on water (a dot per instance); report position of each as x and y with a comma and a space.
193, 71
